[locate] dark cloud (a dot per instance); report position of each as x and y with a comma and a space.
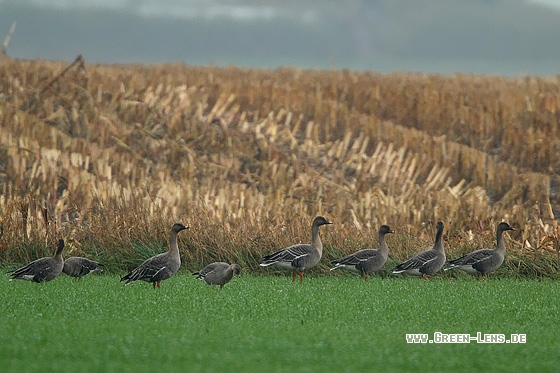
491, 37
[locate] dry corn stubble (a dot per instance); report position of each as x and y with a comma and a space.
98, 153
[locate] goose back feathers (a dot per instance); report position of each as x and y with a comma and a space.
79, 267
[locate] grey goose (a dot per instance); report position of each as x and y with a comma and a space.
484, 261
43, 269
218, 273
159, 267
299, 257
427, 262
368, 261
78, 267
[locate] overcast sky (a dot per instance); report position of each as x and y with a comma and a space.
499, 37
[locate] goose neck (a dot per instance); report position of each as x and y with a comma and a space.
316, 239
438, 244
173, 245
58, 253
383, 248
500, 244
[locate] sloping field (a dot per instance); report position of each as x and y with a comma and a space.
109, 157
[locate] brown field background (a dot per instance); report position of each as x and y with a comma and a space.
109, 157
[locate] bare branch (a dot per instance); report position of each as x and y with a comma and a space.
7, 39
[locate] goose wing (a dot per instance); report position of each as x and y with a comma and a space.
149, 269
36, 270
356, 258
473, 258
210, 268
290, 254
489, 262
79, 267
417, 262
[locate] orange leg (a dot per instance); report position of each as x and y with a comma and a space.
425, 277
293, 276
159, 284
365, 276
301, 277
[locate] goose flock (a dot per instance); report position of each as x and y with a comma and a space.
298, 258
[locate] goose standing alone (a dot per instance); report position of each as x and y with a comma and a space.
299, 257
218, 273
44, 269
484, 261
427, 262
79, 267
366, 261
159, 267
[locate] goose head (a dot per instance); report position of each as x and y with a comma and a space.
178, 227
384, 229
236, 269
321, 220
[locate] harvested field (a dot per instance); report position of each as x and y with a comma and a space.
108, 157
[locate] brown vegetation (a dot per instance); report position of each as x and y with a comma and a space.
109, 157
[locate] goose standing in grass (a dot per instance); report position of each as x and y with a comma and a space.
44, 269
159, 267
427, 262
218, 273
484, 261
299, 257
366, 261
79, 267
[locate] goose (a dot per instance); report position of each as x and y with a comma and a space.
299, 257
44, 269
484, 261
427, 262
366, 261
218, 273
79, 267
159, 267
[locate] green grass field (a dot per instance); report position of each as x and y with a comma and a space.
268, 324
